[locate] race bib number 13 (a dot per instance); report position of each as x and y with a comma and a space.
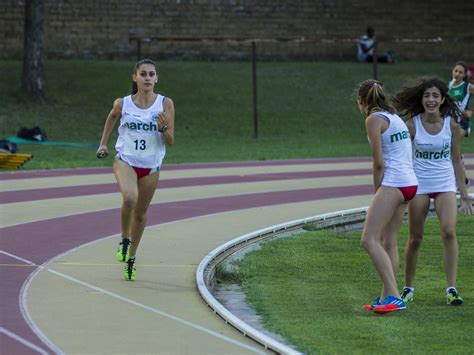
139, 145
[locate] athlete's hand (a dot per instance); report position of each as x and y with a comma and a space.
466, 206
102, 152
468, 114
162, 120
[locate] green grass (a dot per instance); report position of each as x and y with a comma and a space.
310, 288
305, 109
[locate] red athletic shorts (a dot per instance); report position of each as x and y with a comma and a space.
408, 192
141, 172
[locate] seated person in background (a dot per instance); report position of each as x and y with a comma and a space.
365, 49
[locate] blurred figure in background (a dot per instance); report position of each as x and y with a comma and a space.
460, 89
365, 49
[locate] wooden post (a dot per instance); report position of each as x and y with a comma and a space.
254, 87
139, 49
374, 61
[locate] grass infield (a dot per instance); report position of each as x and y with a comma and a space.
310, 289
305, 109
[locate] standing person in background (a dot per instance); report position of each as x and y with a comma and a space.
395, 184
461, 90
470, 74
146, 127
365, 49
438, 168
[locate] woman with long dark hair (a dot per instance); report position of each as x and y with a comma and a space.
435, 133
146, 128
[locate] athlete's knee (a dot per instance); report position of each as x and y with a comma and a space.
367, 242
415, 240
130, 200
364, 244
448, 233
390, 242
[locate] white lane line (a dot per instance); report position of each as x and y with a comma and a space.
17, 258
36, 329
157, 311
22, 301
22, 341
24, 311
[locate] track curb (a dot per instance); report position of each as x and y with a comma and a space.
345, 220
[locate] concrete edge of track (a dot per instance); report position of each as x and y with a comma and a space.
345, 220
206, 269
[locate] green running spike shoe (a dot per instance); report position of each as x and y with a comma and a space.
407, 294
130, 271
452, 298
123, 252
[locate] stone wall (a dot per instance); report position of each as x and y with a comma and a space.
325, 29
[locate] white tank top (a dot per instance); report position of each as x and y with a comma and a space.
432, 159
139, 143
397, 153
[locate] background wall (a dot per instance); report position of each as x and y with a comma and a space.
102, 29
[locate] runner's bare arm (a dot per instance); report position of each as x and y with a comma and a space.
112, 118
374, 127
466, 206
167, 118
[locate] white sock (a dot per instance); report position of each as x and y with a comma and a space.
412, 289
451, 288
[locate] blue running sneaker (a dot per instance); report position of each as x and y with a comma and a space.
370, 307
390, 304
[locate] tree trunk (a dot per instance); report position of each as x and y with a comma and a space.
33, 76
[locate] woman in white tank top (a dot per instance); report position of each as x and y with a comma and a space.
394, 184
438, 167
146, 127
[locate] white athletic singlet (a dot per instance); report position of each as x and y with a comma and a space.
432, 159
139, 143
397, 153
